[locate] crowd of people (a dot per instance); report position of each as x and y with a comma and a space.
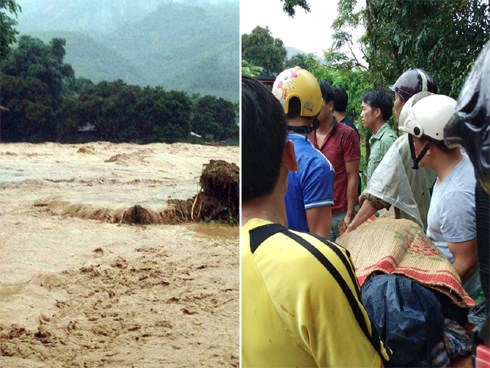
301, 302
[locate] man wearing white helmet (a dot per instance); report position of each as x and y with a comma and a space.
451, 218
394, 182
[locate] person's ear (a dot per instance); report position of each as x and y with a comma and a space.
377, 112
330, 106
289, 157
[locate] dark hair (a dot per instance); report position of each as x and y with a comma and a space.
379, 99
327, 91
263, 135
294, 108
340, 99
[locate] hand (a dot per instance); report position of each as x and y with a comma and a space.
348, 218
361, 199
350, 227
342, 227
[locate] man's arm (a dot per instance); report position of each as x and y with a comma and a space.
365, 212
319, 220
465, 258
370, 204
352, 171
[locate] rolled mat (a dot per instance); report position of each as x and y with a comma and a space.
400, 246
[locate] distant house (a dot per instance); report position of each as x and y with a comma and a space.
87, 128
267, 80
86, 133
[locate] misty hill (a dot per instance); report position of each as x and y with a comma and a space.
191, 47
194, 48
93, 60
291, 51
95, 17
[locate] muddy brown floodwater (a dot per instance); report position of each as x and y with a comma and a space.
78, 290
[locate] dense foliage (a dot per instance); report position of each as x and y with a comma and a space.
441, 36
46, 102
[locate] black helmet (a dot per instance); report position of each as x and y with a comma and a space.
470, 126
413, 81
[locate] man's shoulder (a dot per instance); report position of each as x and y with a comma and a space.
274, 237
347, 132
318, 160
386, 134
344, 128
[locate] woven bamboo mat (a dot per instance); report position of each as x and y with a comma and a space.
400, 246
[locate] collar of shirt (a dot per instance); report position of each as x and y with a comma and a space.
294, 135
329, 134
381, 131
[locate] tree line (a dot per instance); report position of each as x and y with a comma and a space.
46, 102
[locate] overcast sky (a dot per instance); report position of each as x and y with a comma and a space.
308, 32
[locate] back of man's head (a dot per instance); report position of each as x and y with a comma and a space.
298, 92
264, 131
327, 91
379, 99
340, 99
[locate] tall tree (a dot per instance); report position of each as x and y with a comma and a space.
442, 36
41, 65
9, 9
260, 48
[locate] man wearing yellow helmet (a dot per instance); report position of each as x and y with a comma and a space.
309, 197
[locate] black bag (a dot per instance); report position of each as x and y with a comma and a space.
407, 316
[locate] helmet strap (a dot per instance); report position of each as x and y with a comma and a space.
424, 80
417, 159
305, 129
300, 129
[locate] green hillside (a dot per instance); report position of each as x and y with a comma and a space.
93, 60
194, 48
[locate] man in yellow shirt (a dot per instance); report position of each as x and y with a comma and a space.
300, 297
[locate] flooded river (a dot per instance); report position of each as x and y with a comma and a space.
79, 290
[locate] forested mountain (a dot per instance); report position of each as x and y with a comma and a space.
190, 45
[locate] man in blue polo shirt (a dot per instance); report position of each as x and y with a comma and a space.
309, 196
